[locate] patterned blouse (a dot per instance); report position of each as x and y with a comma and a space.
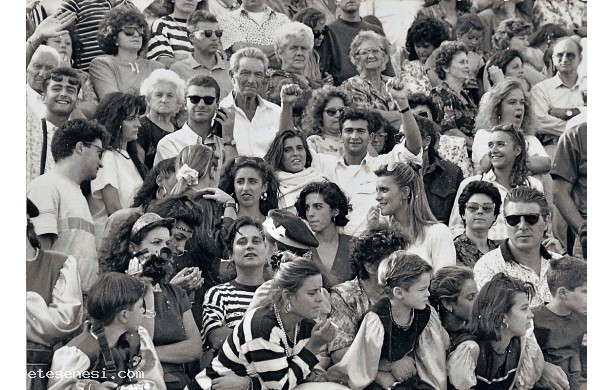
467, 252
413, 73
362, 93
238, 26
349, 304
437, 11
457, 113
568, 13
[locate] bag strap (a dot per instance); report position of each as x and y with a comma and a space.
109, 362
43, 153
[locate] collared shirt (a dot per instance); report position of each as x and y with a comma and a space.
502, 260
238, 26
254, 137
358, 182
172, 144
497, 232
553, 93
441, 180
189, 67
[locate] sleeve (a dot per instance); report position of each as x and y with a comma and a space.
163, 151
541, 105
107, 175
68, 364
461, 365
159, 44
359, 365
484, 270
70, 5
342, 316
149, 367
534, 147
567, 158
47, 201
213, 312
530, 366
398, 154
50, 324
260, 295
430, 356
102, 77
440, 246
184, 303
480, 147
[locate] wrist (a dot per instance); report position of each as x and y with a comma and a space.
229, 141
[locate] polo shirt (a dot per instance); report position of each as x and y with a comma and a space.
171, 145
189, 67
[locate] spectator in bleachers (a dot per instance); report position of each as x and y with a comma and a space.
495, 13
43, 61
314, 19
447, 11
538, 55
384, 139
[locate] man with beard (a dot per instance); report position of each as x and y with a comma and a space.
65, 223
202, 104
54, 303
59, 95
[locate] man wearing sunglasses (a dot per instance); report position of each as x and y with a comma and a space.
202, 111
59, 95
205, 36
65, 223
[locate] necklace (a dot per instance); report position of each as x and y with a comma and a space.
123, 155
288, 351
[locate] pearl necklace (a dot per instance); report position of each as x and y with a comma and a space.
288, 351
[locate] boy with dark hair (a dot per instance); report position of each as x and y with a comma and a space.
560, 325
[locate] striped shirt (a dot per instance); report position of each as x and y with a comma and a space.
225, 305
169, 38
255, 348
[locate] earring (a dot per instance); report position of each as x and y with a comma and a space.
163, 195
264, 196
505, 323
288, 308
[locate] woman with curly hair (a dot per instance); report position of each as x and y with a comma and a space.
122, 173
123, 34
321, 120
512, 33
459, 111
291, 160
508, 104
325, 207
447, 11
423, 37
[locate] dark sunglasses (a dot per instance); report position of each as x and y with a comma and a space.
71, 80
208, 33
130, 31
334, 110
474, 207
195, 99
317, 34
514, 220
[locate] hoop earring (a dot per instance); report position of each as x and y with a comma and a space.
163, 195
264, 196
288, 308
505, 323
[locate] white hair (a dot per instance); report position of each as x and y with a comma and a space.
44, 49
164, 76
292, 31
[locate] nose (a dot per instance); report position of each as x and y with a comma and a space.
522, 224
378, 196
529, 314
319, 296
427, 294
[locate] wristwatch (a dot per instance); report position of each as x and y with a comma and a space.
230, 203
229, 143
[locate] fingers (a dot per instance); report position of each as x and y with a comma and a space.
134, 267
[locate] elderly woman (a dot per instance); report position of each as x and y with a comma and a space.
459, 111
508, 104
292, 163
315, 19
293, 44
164, 92
479, 206
423, 37
370, 54
169, 37
122, 35
321, 120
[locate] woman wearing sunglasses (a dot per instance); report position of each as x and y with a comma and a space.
122, 35
321, 121
316, 20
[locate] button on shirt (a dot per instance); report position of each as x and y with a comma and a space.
238, 26
189, 67
172, 144
253, 138
359, 181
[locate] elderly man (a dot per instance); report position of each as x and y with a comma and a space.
559, 98
43, 61
59, 96
202, 105
205, 36
65, 223
256, 120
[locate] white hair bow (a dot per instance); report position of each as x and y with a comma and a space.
188, 174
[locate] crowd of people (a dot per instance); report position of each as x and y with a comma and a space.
276, 194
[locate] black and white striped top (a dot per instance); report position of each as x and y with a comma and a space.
255, 348
169, 38
225, 305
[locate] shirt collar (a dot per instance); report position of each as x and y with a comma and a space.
262, 103
433, 165
193, 64
559, 83
509, 257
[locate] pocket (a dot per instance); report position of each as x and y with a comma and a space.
444, 193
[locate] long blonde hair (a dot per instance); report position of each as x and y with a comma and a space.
197, 157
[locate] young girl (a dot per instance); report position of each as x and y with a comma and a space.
495, 354
401, 343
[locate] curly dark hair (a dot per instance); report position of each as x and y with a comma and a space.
518, 174
379, 121
332, 195
479, 187
420, 99
372, 246
74, 131
547, 33
501, 59
148, 190
115, 20
236, 226
228, 173
309, 16
508, 29
445, 55
180, 208
312, 121
274, 156
425, 29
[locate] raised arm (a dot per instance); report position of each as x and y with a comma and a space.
398, 90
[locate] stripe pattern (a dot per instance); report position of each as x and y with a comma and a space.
169, 38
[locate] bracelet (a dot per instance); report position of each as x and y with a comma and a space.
405, 109
231, 204
149, 314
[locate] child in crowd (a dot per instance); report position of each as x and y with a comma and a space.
560, 325
401, 342
469, 31
113, 350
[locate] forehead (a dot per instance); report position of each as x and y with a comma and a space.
248, 172
97, 142
200, 91
157, 232
252, 64
311, 283
370, 42
355, 124
164, 86
334, 102
473, 33
64, 36
315, 197
566, 46
515, 60
248, 231
500, 136
422, 281
480, 198
386, 182
293, 141
515, 94
469, 287
63, 83
513, 208
182, 225
205, 26
520, 299
460, 56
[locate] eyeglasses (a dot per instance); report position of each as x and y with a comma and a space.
424, 114
317, 34
195, 99
332, 111
130, 31
379, 136
99, 149
487, 208
372, 50
514, 220
71, 80
208, 33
